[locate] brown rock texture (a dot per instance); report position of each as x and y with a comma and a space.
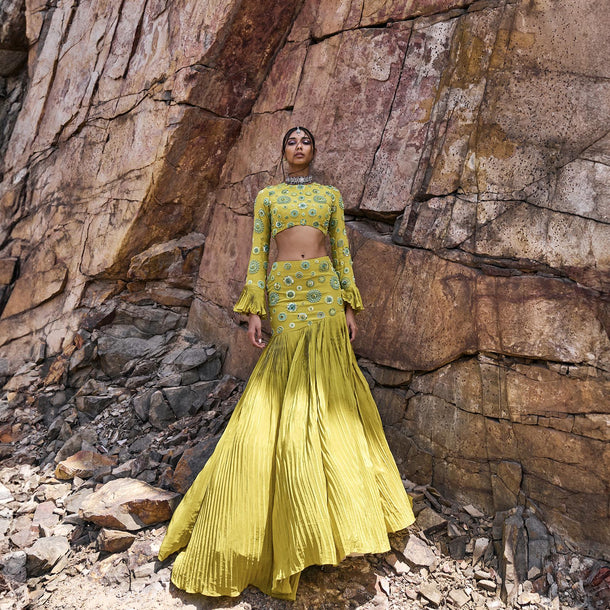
470, 141
128, 504
82, 464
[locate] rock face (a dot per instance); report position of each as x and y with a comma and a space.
470, 141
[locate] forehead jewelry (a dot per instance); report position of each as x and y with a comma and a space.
298, 132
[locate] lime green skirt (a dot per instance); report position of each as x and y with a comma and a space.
303, 473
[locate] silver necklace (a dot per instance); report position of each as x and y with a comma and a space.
298, 179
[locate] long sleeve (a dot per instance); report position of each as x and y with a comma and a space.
252, 298
342, 260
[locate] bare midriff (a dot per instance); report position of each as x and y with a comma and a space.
300, 242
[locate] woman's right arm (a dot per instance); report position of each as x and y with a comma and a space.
252, 298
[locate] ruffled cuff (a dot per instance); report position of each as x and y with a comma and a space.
351, 295
251, 300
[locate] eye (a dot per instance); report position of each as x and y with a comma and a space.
306, 141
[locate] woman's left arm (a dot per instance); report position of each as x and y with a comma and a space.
342, 259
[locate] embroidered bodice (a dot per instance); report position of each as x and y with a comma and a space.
310, 205
281, 207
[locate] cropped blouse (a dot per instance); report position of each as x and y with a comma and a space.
281, 207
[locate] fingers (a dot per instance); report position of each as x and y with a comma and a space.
256, 339
352, 331
255, 333
351, 323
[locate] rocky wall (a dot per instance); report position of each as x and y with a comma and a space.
130, 111
472, 153
470, 142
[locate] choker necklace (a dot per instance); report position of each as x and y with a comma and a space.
299, 179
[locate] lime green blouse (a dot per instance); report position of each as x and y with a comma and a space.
283, 206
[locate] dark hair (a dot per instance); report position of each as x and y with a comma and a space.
291, 131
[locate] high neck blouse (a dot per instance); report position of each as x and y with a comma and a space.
281, 207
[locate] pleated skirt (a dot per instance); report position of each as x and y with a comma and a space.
303, 473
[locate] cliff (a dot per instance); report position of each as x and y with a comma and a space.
470, 141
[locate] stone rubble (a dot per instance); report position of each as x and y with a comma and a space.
99, 446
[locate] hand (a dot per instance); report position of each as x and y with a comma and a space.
255, 333
350, 318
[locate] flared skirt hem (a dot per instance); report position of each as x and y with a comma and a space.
302, 475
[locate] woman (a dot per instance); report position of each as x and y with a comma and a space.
302, 474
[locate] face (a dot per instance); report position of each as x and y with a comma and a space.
299, 150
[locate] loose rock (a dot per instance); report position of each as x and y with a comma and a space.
417, 553
82, 464
45, 553
128, 504
114, 541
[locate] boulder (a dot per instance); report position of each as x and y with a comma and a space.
45, 553
93, 405
82, 464
188, 400
114, 541
160, 414
115, 353
191, 463
513, 558
14, 566
430, 521
128, 504
45, 517
416, 552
